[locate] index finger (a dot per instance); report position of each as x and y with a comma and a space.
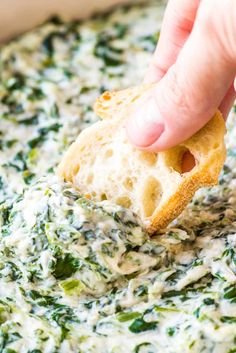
177, 25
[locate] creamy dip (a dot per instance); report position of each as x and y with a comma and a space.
83, 277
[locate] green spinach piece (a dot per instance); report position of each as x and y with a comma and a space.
126, 316
228, 319
151, 348
139, 325
36, 94
39, 299
230, 293
105, 50
43, 133
48, 41
32, 120
65, 266
17, 82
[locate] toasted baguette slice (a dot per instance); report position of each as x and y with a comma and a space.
103, 164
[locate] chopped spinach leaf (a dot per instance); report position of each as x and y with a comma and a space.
148, 348
127, 316
65, 266
228, 319
230, 293
139, 325
36, 94
33, 120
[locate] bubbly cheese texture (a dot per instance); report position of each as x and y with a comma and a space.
83, 277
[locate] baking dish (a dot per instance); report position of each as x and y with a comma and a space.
17, 16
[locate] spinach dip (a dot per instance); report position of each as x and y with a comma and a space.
83, 277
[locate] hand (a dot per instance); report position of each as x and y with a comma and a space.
194, 66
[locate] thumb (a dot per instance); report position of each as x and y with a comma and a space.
193, 88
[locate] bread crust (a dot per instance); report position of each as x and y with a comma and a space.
207, 146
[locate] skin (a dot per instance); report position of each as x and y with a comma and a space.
194, 68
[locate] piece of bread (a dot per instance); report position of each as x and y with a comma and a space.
103, 165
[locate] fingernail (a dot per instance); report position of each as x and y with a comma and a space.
145, 125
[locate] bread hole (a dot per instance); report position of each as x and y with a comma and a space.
216, 145
149, 158
128, 183
180, 159
152, 194
108, 154
124, 201
103, 197
188, 162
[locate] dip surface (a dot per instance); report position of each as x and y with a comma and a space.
83, 277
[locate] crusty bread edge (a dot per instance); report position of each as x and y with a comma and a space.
204, 176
